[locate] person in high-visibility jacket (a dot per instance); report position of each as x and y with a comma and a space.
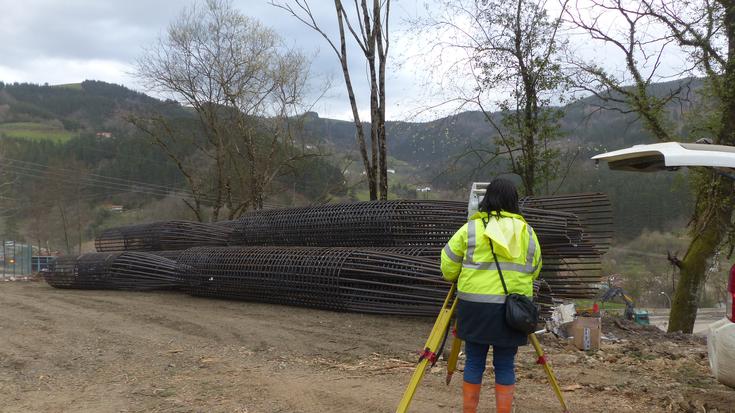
467, 259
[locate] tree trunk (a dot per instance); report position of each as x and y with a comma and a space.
383, 156
65, 226
219, 161
253, 172
360, 132
708, 234
529, 131
374, 117
79, 220
714, 213
382, 57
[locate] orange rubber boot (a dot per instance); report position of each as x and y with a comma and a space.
504, 398
471, 393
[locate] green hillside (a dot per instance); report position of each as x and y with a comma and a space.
74, 86
35, 131
61, 125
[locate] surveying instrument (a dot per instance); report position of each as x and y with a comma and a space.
434, 346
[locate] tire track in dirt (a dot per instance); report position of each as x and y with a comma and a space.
254, 324
140, 321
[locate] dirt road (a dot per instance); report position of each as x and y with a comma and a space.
109, 351
705, 316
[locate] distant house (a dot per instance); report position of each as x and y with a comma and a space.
391, 171
424, 189
113, 208
103, 134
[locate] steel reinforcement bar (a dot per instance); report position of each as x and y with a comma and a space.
136, 271
341, 279
159, 236
400, 223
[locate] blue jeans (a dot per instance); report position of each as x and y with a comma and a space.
503, 362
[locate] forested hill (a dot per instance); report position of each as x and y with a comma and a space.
86, 126
65, 111
583, 124
82, 125
87, 106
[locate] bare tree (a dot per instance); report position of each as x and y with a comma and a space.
641, 49
62, 198
9, 205
6, 182
38, 225
507, 65
246, 89
368, 24
705, 30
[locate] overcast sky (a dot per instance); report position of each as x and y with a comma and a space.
57, 42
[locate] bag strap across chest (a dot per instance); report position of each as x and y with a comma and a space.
495, 257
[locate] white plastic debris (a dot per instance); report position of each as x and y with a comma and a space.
560, 315
721, 349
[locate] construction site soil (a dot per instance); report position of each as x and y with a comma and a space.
109, 351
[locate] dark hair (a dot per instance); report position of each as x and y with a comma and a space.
501, 195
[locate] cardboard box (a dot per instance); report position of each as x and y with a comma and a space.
587, 332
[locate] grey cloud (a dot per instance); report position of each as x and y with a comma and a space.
37, 32
81, 29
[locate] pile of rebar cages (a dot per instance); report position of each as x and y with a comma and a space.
114, 271
373, 257
345, 279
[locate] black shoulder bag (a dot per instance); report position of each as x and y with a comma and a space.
521, 313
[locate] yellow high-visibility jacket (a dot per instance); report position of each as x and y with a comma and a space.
467, 258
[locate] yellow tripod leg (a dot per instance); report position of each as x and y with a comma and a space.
549, 372
453, 356
432, 345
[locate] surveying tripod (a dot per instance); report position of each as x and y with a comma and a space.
435, 345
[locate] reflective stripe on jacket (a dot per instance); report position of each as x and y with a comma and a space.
468, 259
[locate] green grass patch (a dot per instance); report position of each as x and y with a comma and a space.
75, 86
609, 306
35, 131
